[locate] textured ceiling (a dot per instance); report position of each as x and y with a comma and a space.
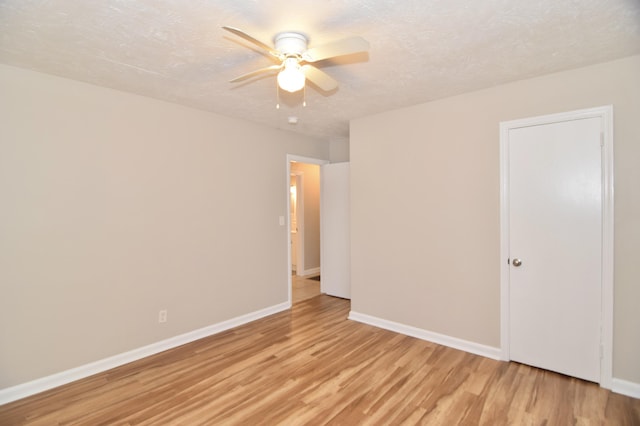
421, 50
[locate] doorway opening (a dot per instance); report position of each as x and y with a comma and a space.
303, 220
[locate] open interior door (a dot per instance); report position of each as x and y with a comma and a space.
335, 269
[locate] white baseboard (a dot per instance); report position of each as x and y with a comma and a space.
58, 379
307, 272
620, 386
441, 339
49, 382
625, 388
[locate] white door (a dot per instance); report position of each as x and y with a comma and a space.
555, 246
334, 229
293, 218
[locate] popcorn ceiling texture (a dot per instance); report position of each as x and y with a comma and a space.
421, 50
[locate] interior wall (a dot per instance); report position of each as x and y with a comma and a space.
339, 149
425, 205
115, 206
311, 200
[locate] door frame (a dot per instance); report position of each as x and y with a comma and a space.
299, 159
606, 321
299, 176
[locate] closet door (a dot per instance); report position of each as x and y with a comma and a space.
555, 245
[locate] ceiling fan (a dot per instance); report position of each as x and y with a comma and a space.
295, 58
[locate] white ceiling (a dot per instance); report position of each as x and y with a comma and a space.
421, 50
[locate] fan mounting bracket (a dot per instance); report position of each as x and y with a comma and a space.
291, 44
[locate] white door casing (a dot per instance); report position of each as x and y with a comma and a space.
297, 227
557, 219
296, 158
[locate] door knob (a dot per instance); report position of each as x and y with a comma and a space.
517, 262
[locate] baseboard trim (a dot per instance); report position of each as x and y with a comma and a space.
307, 272
620, 386
441, 339
33, 387
624, 387
58, 379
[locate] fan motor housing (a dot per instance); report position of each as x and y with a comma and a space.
290, 43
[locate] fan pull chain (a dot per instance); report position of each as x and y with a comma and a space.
277, 95
304, 95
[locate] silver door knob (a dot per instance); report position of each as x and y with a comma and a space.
517, 262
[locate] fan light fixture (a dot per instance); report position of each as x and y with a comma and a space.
296, 61
291, 78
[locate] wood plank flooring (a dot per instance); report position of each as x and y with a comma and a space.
303, 288
311, 365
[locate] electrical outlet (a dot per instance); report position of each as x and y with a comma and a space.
162, 316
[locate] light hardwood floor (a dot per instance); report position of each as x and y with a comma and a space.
303, 288
311, 365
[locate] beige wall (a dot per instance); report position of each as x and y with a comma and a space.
311, 199
339, 149
114, 206
425, 205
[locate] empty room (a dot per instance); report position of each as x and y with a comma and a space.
319, 212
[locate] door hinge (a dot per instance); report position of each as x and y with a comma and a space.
601, 139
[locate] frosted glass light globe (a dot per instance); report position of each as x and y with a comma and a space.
291, 78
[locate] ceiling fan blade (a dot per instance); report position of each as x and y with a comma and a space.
256, 72
319, 78
251, 39
342, 47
